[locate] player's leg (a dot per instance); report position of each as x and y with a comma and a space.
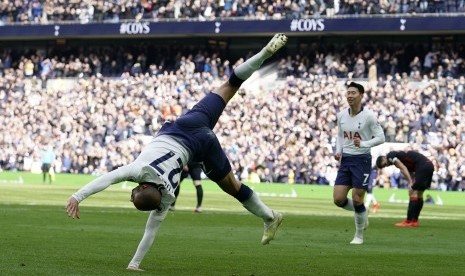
246, 196
195, 170
369, 194
375, 203
343, 184
412, 208
199, 193
208, 110
423, 179
218, 169
360, 214
420, 202
184, 174
246, 69
47, 173
340, 198
359, 168
176, 194
369, 199
45, 169
250, 200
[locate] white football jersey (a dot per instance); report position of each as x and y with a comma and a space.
161, 162
363, 125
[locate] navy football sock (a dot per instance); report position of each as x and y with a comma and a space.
244, 193
412, 208
418, 209
199, 195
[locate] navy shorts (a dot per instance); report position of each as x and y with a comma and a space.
354, 171
198, 123
423, 177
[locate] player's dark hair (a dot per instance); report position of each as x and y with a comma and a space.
147, 199
359, 87
379, 161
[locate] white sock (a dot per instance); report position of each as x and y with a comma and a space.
349, 206
359, 223
246, 69
256, 206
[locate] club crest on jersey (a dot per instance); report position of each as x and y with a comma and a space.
351, 135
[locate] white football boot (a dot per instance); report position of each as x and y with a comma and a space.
271, 228
276, 43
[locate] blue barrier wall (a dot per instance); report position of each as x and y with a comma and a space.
315, 26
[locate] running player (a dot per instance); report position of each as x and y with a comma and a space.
358, 132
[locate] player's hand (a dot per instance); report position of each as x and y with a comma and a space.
134, 267
410, 187
72, 208
357, 142
337, 156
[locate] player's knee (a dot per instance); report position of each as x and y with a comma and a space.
226, 91
340, 202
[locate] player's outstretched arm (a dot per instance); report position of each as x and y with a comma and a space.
95, 186
151, 228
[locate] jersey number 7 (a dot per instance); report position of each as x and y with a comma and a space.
155, 164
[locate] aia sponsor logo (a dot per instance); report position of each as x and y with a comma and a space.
351, 135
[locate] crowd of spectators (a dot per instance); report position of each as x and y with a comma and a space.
285, 132
87, 11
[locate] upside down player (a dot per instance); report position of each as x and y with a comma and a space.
158, 168
358, 131
418, 170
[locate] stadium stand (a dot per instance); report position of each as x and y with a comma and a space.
86, 11
98, 102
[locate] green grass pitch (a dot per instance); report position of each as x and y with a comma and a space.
37, 237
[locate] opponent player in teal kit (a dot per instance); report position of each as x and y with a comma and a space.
190, 138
